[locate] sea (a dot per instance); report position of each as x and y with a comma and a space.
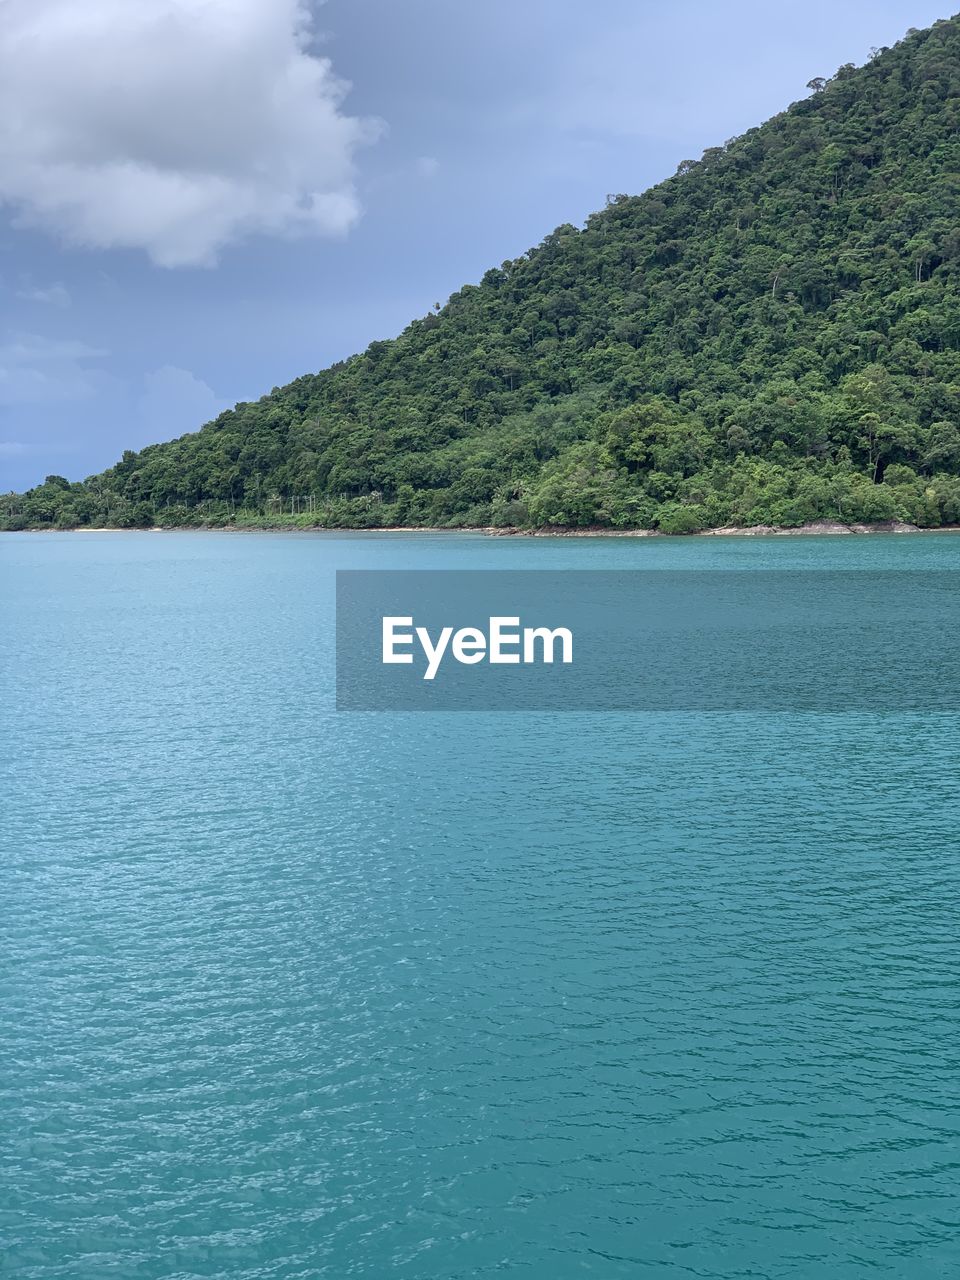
292, 992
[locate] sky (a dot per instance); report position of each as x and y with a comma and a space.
201, 200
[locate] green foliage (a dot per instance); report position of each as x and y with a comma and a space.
770, 336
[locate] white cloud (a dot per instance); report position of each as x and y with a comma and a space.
55, 295
428, 166
175, 401
173, 126
37, 370
12, 449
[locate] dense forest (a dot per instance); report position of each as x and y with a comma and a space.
770, 336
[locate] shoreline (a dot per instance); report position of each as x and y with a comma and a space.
815, 528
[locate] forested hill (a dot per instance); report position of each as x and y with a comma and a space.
770, 336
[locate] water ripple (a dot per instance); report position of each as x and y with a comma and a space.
292, 994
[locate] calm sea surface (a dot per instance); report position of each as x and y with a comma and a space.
292, 993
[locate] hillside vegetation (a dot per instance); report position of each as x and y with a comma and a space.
770, 336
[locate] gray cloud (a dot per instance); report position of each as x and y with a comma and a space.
174, 401
37, 370
172, 126
54, 295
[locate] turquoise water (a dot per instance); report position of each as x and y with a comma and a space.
288, 993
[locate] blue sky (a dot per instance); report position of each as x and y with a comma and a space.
202, 199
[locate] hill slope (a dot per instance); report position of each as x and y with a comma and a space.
770, 336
